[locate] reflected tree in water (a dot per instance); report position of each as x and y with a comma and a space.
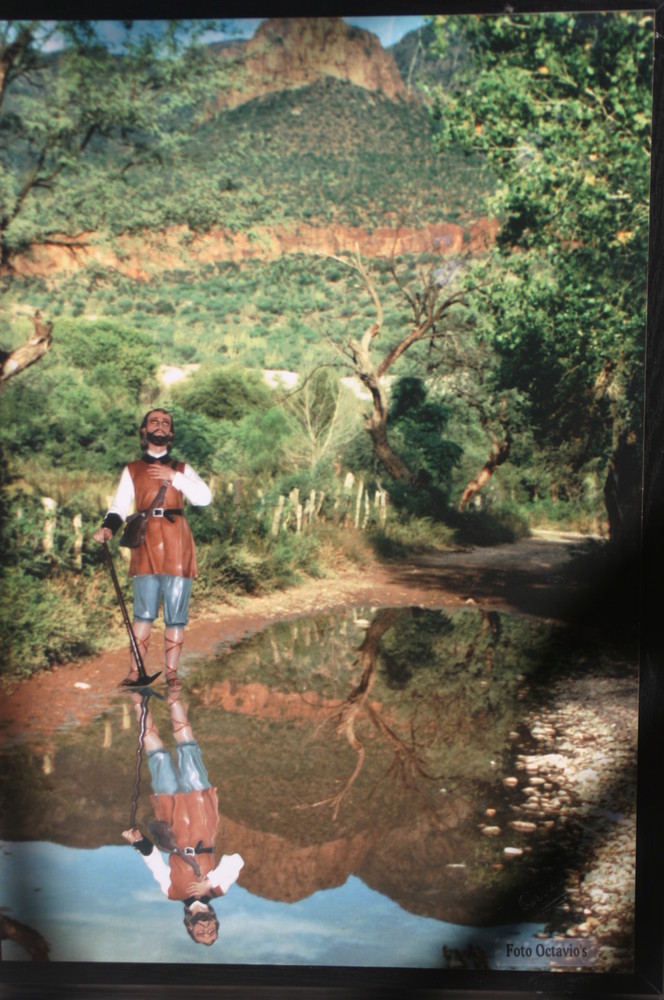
455, 688
27, 937
407, 763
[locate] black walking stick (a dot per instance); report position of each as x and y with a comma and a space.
143, 678
145, 697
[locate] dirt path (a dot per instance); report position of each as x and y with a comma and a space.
517, 576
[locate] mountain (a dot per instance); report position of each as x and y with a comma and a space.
295, 52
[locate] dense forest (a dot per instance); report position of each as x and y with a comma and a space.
451, 282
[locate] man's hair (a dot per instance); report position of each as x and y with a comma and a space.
191, 919
142, 430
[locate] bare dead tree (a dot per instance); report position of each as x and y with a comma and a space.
430, 308
34, 348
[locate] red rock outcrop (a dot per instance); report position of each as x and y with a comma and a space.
277, 868
141, 256
293, 52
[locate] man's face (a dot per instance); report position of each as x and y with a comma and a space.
158, 428
205, 931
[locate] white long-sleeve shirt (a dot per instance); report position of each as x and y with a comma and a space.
222, 877
187, 482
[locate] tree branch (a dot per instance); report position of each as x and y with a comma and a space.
28, 353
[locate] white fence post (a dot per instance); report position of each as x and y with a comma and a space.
77, 525
49, 506
277, 516
358, 503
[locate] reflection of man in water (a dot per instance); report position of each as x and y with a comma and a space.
187, 814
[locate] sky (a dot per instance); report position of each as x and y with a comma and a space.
93, 905
389, 28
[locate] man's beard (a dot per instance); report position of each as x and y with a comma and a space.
159, 439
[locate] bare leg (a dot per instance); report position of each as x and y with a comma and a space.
182, 730
141, 630
173, 642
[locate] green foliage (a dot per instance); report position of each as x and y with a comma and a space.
120, 106
420, 423
195, 437
114, 356
79, 407
559, 107
315, 145
228, 393
43, 624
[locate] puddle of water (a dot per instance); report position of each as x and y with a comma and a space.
359, 763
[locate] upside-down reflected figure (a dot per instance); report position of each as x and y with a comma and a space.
186, 820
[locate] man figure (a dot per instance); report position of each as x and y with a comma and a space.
163, 567
187, 817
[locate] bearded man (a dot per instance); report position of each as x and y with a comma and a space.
163, 566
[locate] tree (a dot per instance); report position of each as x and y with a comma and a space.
559, 106
63, 93
224, 393
431, 310
67, 89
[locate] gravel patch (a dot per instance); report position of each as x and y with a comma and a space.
574, 787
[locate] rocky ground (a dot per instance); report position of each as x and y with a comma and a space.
575, 782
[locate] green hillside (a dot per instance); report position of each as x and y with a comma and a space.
330, 152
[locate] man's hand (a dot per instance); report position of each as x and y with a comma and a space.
198, 889
164, 473
133, 835
102, 535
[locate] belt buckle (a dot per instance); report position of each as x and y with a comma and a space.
158, 512
189, 851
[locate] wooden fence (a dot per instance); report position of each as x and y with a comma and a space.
352, 503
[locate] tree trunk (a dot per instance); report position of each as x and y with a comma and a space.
499, 454
376, 426
386, 454
622, 494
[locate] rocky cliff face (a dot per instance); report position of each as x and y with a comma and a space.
145, 255
294, 52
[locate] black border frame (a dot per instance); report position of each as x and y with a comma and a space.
102, 980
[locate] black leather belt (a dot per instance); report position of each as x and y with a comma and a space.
167, 512
199, 849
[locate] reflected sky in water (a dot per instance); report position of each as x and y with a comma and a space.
101, 906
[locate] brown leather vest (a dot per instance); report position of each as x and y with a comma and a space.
169, 545
193, 816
